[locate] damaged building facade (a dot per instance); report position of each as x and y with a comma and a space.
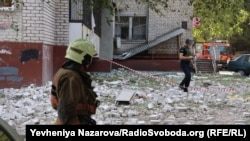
36, 33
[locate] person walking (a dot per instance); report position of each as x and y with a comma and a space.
72, 95
186, 58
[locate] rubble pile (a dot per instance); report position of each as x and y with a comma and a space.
150, 100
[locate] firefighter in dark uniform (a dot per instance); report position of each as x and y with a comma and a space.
72, 95
186, 59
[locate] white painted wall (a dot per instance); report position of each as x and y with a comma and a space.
75, 31
90, 35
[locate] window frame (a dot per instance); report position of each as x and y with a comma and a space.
130, 27
11, 6
84, 15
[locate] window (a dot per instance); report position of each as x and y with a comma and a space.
131, 27
6, 5
246, 59
80, 12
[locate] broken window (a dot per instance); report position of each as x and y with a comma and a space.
131, 27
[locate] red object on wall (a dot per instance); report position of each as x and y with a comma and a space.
196, 21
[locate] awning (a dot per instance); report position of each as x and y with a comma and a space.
156, 41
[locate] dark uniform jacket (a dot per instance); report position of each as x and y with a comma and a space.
72, 95
186, 52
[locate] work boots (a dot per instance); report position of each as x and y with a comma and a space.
183, 88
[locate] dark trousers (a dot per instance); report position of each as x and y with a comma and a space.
187, 71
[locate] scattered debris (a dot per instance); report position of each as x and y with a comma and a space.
125, 97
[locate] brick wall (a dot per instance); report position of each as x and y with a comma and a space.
62, 22
177, 11
6, 19
32, 21
42, 27
49, 25
37, 22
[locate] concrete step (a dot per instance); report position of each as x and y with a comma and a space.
204, 66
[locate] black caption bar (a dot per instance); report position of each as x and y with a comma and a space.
197, 132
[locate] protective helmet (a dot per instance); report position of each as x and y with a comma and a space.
78, 49
189, 41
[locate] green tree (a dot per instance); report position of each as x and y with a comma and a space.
220, 19
241, 42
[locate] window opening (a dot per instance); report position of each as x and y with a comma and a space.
131, 27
